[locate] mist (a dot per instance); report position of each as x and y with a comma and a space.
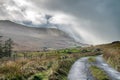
87, 21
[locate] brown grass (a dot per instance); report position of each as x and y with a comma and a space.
51, 65
112, 54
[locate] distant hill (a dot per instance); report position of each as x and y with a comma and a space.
29, 38
113, 45
111, 53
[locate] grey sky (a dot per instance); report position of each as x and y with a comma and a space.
88, 21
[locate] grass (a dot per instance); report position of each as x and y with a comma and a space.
112, 54
55, 64
98, 74
50, 65
91, 60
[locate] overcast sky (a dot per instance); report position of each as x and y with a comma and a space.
87, 21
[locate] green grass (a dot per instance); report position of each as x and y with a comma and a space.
70, 50
98, 74
50, 65
92, 59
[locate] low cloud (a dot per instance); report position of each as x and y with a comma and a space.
87, 21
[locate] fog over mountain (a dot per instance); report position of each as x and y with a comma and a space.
32, 39
87, 21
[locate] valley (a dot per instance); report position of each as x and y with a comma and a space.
58, 64
51, 54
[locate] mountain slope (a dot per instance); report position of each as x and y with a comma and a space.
29, 38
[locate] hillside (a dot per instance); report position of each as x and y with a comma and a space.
111, 53
29, 38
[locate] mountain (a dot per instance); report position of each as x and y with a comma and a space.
30, 38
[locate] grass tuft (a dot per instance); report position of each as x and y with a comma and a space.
98, 74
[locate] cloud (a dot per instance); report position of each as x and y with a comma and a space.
87, 21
